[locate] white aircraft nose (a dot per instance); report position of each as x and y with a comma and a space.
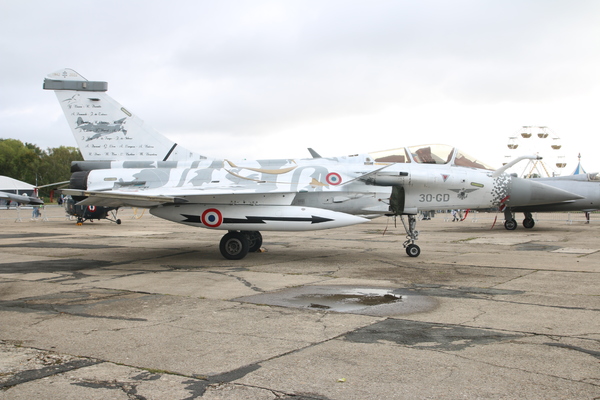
525, 192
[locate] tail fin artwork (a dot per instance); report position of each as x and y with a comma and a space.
103, 128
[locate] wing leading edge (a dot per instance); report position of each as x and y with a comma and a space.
155, 197
114, 199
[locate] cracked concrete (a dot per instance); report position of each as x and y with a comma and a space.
150, 310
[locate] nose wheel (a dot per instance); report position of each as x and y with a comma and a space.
413, 250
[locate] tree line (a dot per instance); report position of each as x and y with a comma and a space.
28, 163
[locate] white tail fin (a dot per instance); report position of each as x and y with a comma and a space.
104, 129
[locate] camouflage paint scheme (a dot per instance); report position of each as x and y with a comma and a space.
127, 163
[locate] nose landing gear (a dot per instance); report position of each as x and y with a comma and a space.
411, 235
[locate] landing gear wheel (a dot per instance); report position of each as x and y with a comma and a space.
255, 240
413, 250
528, 223
510, 225
234, 245
118, 222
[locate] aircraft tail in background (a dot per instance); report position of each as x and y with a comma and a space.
104, 129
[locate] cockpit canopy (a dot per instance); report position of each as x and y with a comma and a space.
429, 154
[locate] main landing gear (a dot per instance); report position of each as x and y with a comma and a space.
510, 223
509, 220
411, 235
235, 245
528, 222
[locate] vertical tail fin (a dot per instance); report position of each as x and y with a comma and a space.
103, 128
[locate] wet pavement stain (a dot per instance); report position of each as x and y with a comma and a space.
536, 247
36, 235
59, 245
348, 299
461, 292
35, 374
424, 335
67, 264
372, 301
77, 303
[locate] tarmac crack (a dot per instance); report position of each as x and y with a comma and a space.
515, 368
517, 277
486, 294
545, 305
593, 353
69, 300
411, 266
138, 260
449, 338
128, 388
475, 318
78, 275
32, 375
242, 280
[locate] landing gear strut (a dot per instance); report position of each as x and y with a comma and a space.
236, 245
411, 235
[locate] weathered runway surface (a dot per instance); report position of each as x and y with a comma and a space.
150, 310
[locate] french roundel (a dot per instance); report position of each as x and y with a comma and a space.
333, 178
92, 208
212, 218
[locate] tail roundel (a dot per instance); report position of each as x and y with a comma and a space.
104, 129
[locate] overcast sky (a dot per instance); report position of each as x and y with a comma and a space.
267, 79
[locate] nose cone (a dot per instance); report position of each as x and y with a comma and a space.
525, 192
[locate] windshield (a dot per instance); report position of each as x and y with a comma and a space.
391, 156
432, 153
464, 160
429, 154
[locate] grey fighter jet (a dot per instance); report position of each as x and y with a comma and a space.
587, 186
146, 169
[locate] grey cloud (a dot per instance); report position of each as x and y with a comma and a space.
246, 67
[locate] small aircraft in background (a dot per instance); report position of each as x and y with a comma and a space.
21, 198
146, 169
20, 192
84, 213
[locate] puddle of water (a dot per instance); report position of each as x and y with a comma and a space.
345, 302
356, 300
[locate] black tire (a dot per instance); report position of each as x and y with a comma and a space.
528, 223
234, 245
413, 250
510, 225
255, 240
118, 222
